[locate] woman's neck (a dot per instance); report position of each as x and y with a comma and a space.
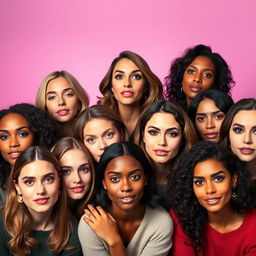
225, 220
67, 128
161, 172
129, 115
42, 221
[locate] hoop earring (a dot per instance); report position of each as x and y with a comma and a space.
20, 198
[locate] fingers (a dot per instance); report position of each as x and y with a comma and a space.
92, 213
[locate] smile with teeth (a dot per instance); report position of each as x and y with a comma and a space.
127, 199
213, 200
127, 94
14, 154
63, 112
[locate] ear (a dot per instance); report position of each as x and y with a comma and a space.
234, 180
104, 184
16, 185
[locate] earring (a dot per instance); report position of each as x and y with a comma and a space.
234, 195
20, 198
181, 90
105, 188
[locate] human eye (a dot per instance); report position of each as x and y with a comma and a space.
84, 169
135, 177
136, 76
114, 179
23, 134
118, 76
219, 116
200, 118
49, 179
69, 94
28, 182
65, 172
110, 135
173, 134
51, 97
254, 131
90, 140
207, 75
238, 130
152, 132
199, 182
219, 178
4, 137
190, 71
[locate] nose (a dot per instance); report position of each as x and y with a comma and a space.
197, 78
61, 101
126, 186
210, 123
162, 140
76, 177
40, 188
14, 142
210, 188
127, 82
247, 138
102, 144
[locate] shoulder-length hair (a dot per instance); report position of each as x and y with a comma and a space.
222, 100
189, 136
121, 149
190, 213
173, 82
78, 89
100, 112
153, 84
46, 131
63, 146
17, 219
244, 104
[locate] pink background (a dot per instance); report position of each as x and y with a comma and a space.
82, 37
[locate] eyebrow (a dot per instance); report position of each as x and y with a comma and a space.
44, 176
205, 69
18, 129
118, 173
203, 114
67, 89
169, 129
213, 175
121, 71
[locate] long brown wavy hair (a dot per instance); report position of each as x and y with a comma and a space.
17, 219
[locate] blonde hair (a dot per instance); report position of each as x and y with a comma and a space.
78, 89
63, 146
153, 84
17, 219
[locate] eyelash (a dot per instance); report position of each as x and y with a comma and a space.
134, 77
191, 72
217, 179
155, 133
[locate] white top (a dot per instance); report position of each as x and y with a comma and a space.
152, 238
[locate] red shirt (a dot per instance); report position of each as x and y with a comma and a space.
241, 241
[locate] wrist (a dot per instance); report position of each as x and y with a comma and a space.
114, 241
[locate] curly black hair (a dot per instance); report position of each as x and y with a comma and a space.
190, 213
46, 131
173, 82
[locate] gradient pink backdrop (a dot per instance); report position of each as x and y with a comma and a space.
82, 37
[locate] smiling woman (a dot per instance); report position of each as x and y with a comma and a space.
127, 220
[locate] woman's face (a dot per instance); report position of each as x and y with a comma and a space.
162, 137
38, 183
61, 100
198, 76
98, 135
76, 173
208, 120
242, 135
212, 184
15, 136
124, 181
128, 84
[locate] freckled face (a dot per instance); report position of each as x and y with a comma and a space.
162, 137
124, 180
38, 183
15, 136
98, 135
208, 120
76, 173
128, 84
198, 76
242, 135
61, 100
213, 185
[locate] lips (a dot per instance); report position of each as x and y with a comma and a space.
213, 200
160, 152
212, 135
14, 154
127, 94
127, 199
63, 112
247, 151
77, 189
195, 89
42, 200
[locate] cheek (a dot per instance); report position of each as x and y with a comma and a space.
86, 178
200, 126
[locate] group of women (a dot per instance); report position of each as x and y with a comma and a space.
145, 172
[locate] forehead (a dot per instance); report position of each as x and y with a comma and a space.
13, 121
203, 62
207, 105
208, 167
37, 169
125, 64
164, 120
58, 84
123, 164
73, 156
245, 118
98, 126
